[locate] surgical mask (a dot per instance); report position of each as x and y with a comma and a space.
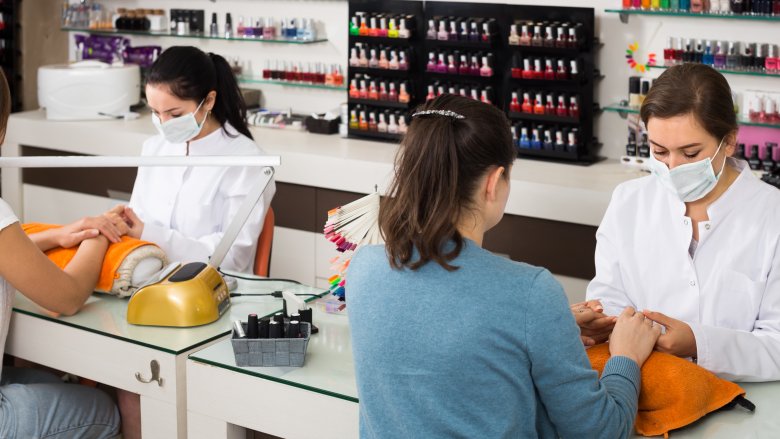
691, 181
180, 129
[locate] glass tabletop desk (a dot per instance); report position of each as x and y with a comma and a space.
316, 400
98, 343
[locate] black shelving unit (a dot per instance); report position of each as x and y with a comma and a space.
10, 52
411, 76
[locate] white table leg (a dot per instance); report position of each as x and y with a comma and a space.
159, 420
205, 427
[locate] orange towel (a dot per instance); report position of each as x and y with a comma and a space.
674, 393
115, 255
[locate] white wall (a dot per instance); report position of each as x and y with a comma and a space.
650, 32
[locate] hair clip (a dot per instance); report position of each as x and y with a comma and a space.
446, 113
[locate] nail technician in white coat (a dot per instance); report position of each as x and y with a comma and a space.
198, 109
696, 243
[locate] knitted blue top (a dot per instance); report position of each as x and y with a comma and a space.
490, 350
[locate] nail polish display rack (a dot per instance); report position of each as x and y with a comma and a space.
10, 54
500, 82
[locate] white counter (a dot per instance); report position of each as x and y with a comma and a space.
560, 192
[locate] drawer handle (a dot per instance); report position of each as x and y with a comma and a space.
155, 367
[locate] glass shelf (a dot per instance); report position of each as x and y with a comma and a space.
625, 13
196, 36
252, 80
735, 72
624, 111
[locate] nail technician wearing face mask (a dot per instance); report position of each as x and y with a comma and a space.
696, 244
198, 109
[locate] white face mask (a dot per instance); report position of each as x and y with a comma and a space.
180, 129
691, 181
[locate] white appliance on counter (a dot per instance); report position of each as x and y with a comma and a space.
88, 90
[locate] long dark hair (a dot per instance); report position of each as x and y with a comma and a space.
697, 89
191, 74
441, 160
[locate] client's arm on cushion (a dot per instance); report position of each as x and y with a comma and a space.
127, 264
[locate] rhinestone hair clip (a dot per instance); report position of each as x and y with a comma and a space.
445, 113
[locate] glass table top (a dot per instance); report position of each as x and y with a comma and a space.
328, 367
107, 315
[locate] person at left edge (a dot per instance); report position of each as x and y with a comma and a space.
198, 109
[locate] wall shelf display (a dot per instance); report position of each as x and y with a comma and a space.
626, 13
625, 110
200, 36
254, 80
735, 72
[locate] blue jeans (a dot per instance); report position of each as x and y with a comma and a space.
36, 404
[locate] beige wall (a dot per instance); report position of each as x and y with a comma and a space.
42, 43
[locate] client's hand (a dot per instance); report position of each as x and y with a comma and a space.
678, 339
595, 326
634, 336
89, 227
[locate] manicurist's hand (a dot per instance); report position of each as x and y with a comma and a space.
595, 326
634, 336
678, 339
72, 234
134, 222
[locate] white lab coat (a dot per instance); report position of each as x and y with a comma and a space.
186, 210
729, 292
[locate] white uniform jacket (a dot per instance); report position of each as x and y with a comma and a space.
186, 210
729, 292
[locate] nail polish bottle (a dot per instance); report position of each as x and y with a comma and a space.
699, 52
538, 73
464, 31
441, 65
338, 77
547, 142
561, 73
549, 73
402, 63
240, 29
573, 69
373, 61
381, 126
463, 67
549, 37
269, 30
487, 33
646, 4
328, 77
372, 125
373, 29
403, 30
776, 11
267, 70
759, 62
514, 38
363, 92
383, 96
363, 121
754, 161
720, 55
574, 38
525, 37
771, 62
486, 70
561, 110
474, 32
697, 5
536, 39
453, 30
669, 52
526, 107
549, 105
560, 42
403, 95
636, 4
528, 71
513, 130
484, 96
770, 110
353, 120
431, 66
685, 5
474, 94
392, 93
383, 61
644, 88
392, 126
536, 142
571, 146
431, 34
674, 5
538, 104
462, 91
736, 6
452, 66
402, 126
443, 35
559, 145
574, 108
714, 6
747, 56
431, 93
393, 63
707, 57
514, 104
475, 68
383, 31
354, 29
524, 142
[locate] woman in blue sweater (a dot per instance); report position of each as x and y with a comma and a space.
450, 340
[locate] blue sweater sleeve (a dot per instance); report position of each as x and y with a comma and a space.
577, 402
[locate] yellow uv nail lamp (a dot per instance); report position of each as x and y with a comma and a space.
190, 295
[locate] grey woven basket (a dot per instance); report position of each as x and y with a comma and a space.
265, 352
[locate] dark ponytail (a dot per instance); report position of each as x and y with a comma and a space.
191, 74
441, 160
